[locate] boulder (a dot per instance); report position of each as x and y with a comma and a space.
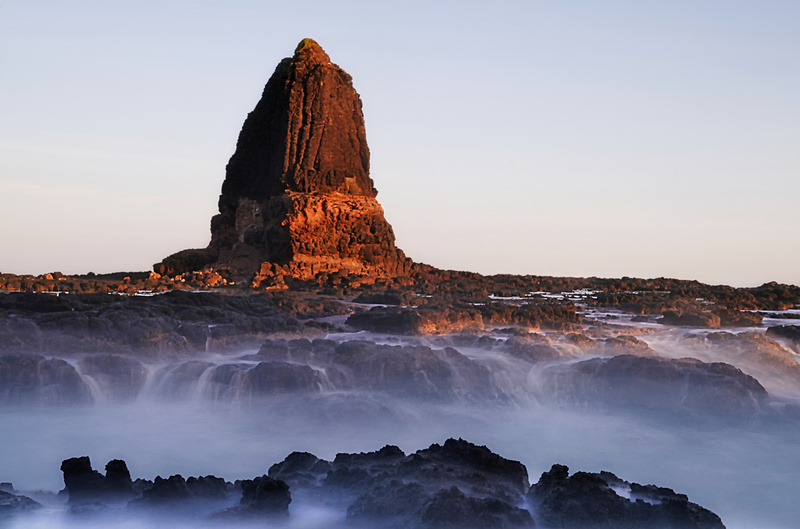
685, 386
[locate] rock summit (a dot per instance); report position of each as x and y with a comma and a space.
297, 199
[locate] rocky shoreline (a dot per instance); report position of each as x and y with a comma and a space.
456, 484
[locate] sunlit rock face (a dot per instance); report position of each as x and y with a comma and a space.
297, 199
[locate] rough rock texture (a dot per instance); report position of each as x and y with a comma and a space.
34, 379
604, 501
457, 484
297, 198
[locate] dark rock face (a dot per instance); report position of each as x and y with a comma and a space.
411, 371
177, 491
297, 195
789, 332
457, 484
121, 378
657, 384
603, 501
28, 378
86, 485
453, 485
265, 495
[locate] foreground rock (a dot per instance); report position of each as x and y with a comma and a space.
603, 501
457, 484
297, 199
453, 485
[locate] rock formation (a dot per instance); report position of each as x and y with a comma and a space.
297, 199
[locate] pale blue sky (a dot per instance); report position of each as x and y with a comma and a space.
606, 138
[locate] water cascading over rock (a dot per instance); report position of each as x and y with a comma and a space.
297, 199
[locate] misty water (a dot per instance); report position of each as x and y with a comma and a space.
745, 472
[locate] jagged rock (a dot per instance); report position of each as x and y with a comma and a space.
177, 492
301, 468
604, 501
265, 495
84, 484
457, 484
297, 199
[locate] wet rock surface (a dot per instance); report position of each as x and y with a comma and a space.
657, 385
603, 501
455, 484
35, 379
174, 322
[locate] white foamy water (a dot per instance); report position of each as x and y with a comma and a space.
184, 423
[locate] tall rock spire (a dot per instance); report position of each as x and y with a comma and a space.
297, 197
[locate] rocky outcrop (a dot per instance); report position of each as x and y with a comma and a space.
297, 199
453, 485
604, 501
652, 384
174, 322
457, 484
34, 379
86, 485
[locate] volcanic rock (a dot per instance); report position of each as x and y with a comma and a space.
297, 199
86, 485
457, 484
604, 501
683, 386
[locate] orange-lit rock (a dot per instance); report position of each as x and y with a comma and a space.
297, 193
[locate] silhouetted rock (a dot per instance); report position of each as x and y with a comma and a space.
603, 501
457, 484
176, 492
297, 199
265, 495
84, 484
